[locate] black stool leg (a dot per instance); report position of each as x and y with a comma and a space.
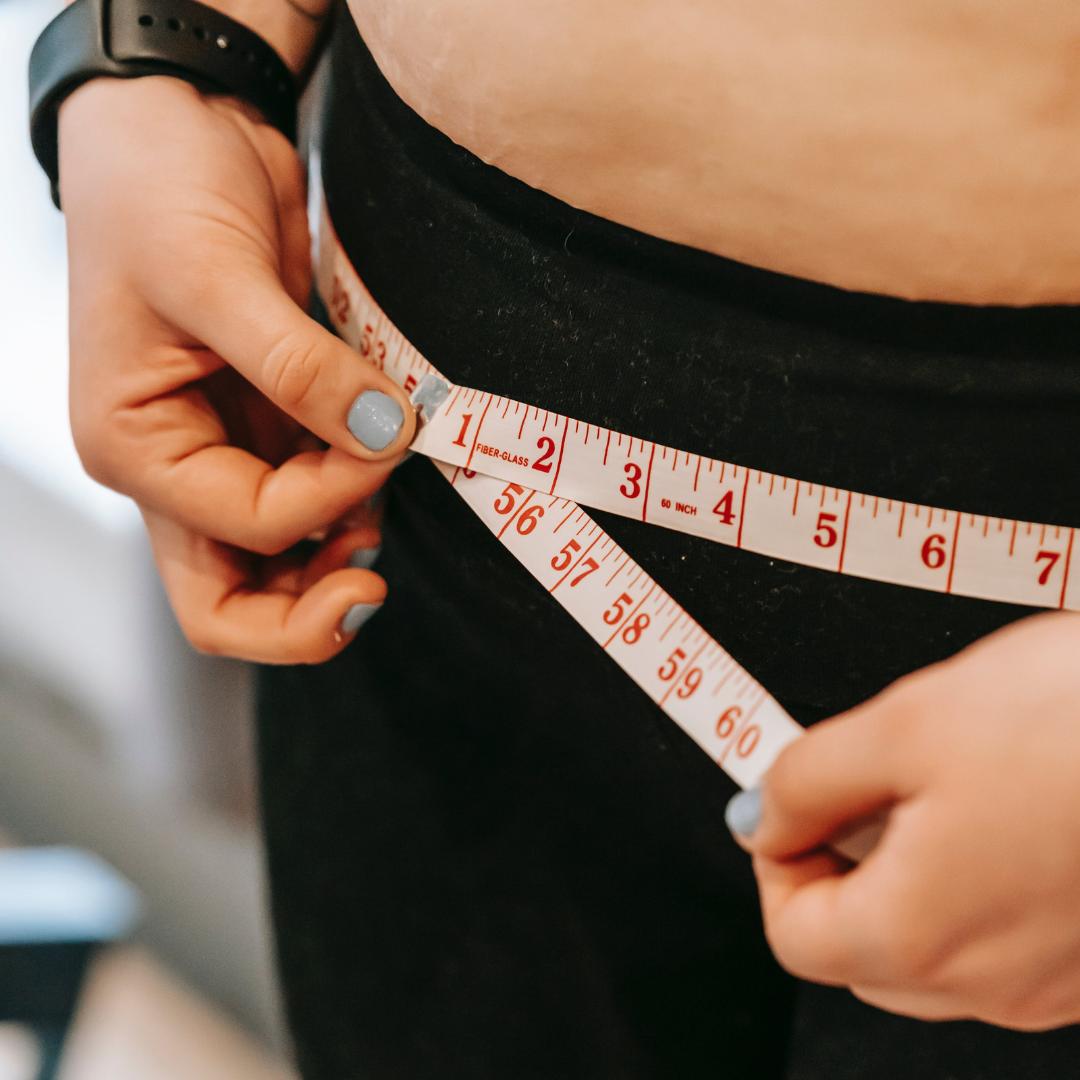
39, 987
50, 1039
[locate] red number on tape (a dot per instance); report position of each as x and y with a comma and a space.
614, 614
508, 495
691, 681
748, 740
671, 665
564, 558
933, 554
590, 565
527, 522
460, 440
547, 444
723, 509
339, 303
726, 724
826, 535
1053, 556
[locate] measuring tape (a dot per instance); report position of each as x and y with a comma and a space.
524, 470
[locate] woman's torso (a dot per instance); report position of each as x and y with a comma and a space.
924, 150
491, 854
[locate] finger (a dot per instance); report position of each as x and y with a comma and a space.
352, 548
806, 904
224, 609
841, 772
294, 573
166, 439
172, 456
232, 496
233, 301
833, 923
923, 1005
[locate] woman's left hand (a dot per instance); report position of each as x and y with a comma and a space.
970, 904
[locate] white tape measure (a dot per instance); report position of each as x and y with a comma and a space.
523, 471
1019, 562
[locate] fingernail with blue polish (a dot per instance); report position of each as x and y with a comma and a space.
743, 813
375, 419
364, 558
356, 616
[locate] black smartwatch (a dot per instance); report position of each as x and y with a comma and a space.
129, 38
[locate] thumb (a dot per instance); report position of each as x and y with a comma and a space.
821, 787
242, 312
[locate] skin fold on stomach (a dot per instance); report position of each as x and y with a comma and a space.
928, 150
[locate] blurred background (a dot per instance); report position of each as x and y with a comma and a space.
115, 736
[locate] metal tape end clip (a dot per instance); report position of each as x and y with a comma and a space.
429, 394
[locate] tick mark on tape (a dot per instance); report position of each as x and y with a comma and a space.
562, 447
843, 542
955, 543
742, 511
1068, 561
564, 521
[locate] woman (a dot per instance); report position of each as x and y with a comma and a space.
834, 242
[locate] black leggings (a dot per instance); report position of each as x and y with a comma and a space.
491, 855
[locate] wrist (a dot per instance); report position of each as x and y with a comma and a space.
291, 27
133, 39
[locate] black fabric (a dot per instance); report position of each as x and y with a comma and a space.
491, 855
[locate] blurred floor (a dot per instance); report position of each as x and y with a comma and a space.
137, 1022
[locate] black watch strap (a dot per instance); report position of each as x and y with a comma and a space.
129, 38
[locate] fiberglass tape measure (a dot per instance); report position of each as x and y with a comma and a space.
524, 471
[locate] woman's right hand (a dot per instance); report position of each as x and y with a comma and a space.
199, 386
